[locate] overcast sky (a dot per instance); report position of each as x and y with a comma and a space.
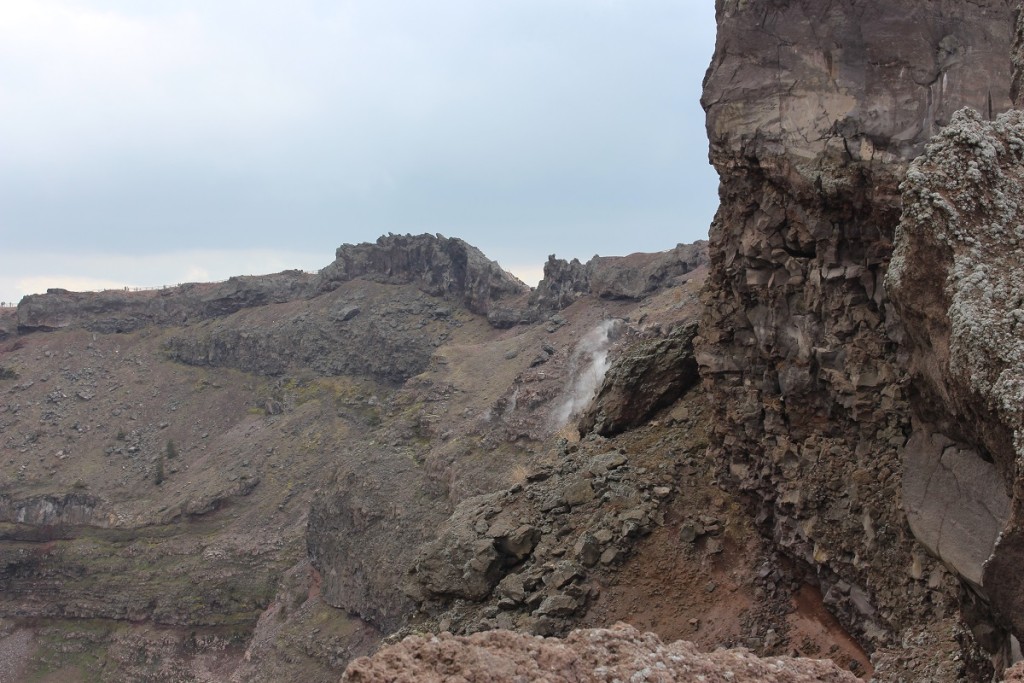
156, 142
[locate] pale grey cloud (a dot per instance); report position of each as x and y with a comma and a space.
527, 127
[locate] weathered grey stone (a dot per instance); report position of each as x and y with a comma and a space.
956, 502
604, 463
579, 492
559, 605
588, 550
512, 587
611, 555
562, 574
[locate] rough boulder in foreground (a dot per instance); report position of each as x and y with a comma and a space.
620, 653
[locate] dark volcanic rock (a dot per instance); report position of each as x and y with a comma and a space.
955, 277
460, 563
614, 277
362, 547
646, 377
814, 112
125, 311
390, 336
440, 266
8, 322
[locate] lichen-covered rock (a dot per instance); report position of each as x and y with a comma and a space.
956, 278
621, 653
814, 112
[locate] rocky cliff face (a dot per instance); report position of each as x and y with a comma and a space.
814, 112
955, 278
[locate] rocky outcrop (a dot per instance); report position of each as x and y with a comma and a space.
814, 111
649, 375
955, 278
440, 266
621, 653
125, 311
53, 511
8, 322
955, 500
614, 277
362, 543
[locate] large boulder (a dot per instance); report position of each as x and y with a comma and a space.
646, 377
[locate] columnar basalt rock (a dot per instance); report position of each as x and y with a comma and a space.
814, 112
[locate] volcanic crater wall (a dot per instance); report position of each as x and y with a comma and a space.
814, 111
955, 277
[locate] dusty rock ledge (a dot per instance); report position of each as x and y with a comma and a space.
621, 653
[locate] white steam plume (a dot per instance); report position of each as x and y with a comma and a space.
587, 368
